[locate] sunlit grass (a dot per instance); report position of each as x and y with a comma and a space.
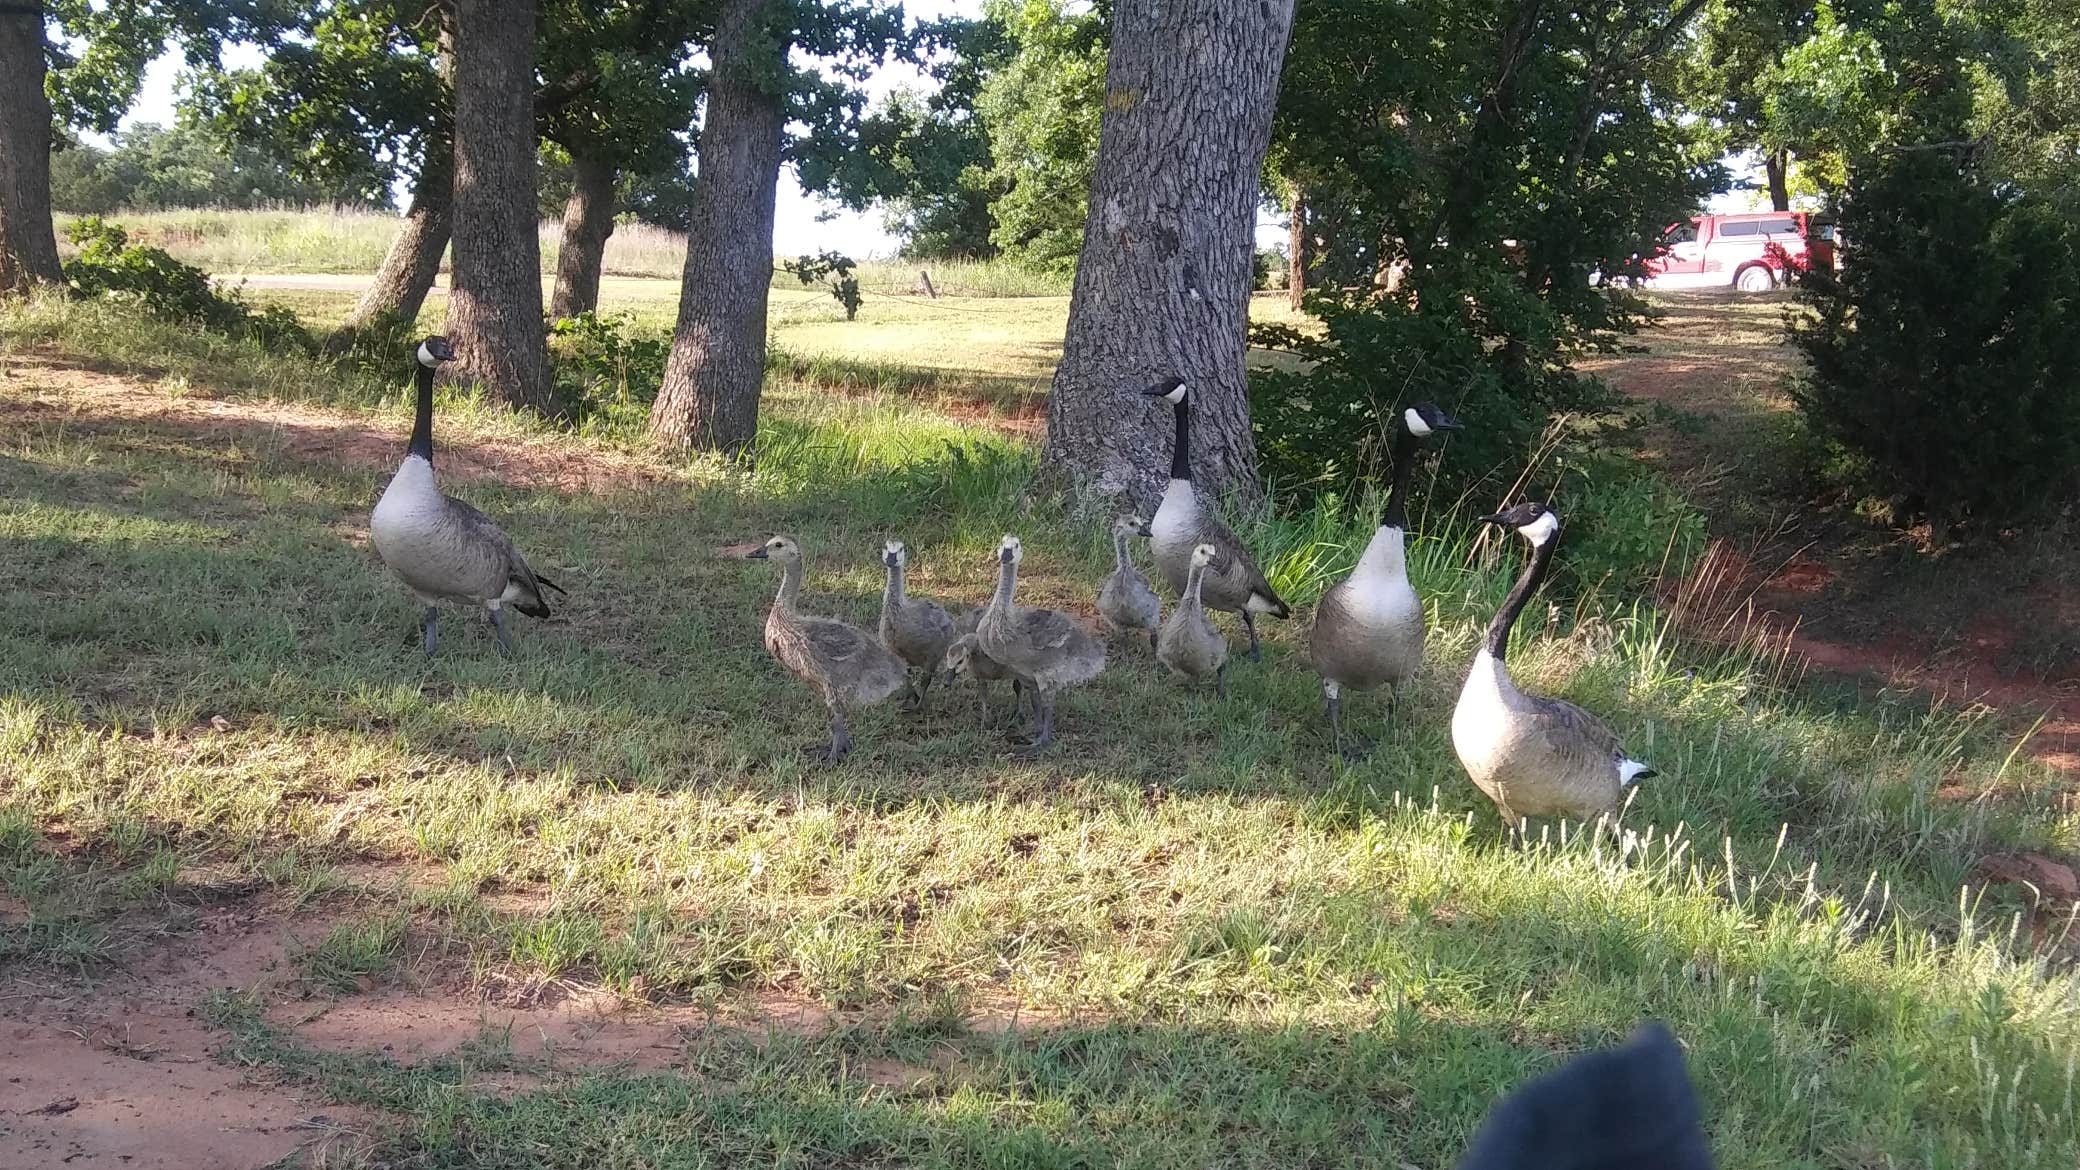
1244, 951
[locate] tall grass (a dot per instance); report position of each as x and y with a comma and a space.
353, 241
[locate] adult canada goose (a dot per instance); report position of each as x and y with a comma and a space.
1368, 628
1043, 648
842, 663
443, 548
1190, 643
1126, 600
964, 656
914, 627
1535, 756
1184, 522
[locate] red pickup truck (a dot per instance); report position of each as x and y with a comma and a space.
1749, 252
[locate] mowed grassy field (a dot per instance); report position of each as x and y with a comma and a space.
595, 906
352, 241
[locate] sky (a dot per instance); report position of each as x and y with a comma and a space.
802, 222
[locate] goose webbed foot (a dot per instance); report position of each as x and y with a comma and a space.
1256, 649
1152, 641
505, 641
432, 638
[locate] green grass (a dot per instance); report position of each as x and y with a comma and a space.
231, 244
1238, 950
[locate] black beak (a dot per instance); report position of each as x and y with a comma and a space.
889, 559
1145, 530
1445, 422
1491, 520
1003, 556
757, 554
1159, 389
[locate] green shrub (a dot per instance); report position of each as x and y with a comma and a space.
1627, 525
1944, 359
607, 372
833, 270
108, 265
1328, 425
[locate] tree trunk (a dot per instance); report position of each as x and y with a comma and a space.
28, 244
1163, 282
1298, 253
709, 399
588, 219
1775, 163
495, 303
414, 258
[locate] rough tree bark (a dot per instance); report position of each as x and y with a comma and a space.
588, 219
414, 258
709, 399
1298, 253
1775, 163
28, 244
495, 306
1163, 281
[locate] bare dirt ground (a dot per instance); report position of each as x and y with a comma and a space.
1830, 585
122, 1072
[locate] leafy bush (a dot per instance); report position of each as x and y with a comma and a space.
1626, 525
1327, 425
1944, 358
833, 270
108, 265
605, 369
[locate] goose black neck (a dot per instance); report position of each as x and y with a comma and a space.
1534, 573
1181, 455
422, 417
1404, 466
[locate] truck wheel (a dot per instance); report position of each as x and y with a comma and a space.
1755, 278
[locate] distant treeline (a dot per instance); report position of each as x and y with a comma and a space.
151, 167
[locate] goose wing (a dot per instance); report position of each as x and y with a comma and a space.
1048, 631
1572, 734
519, 573
838, 645
1232, 562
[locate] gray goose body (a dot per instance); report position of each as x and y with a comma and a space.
964, 655
915, 628
1369, 628
1535, 756
1045, 649
1234, 583
1190, 643
1183, 522
844, 665
442, 548
1127, 600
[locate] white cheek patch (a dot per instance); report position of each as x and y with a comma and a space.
1542, 529
426, 357
1176, 396
1631, 770
1414, 422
